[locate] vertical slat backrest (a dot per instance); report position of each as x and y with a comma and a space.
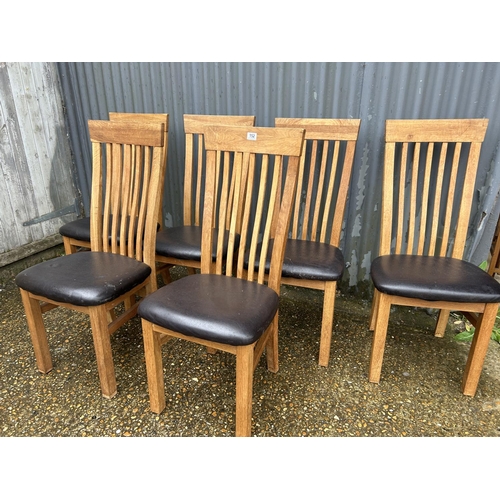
324, 176
128, 163
430, 169
148, 118
260, 158
194, 126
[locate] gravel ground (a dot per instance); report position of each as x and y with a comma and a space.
418, 396
419, 393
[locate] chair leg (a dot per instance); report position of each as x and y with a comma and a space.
151, 284
272, 348
373, 313
165, 274
102, 345
327, 322
442, 323
68, 247
478, 349
244, 388
167, 279
379, 335
154, 367
37, 332
129, 302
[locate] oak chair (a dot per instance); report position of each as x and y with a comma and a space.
181, 245
226, 306
313, 258
76, 234
107, 283
429, 175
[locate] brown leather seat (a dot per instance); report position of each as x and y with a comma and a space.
213, 307
433, 278
84, 278
184, 242
310, 260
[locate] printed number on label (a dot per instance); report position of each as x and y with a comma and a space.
251, 136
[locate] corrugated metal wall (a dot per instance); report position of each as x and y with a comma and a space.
37, 193
373, 92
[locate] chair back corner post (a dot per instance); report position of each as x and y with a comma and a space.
96, 207
188, 180
467, 199
387, 200
345, 182
207, 223
154, 205
283, 223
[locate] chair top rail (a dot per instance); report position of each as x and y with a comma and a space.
448, 130
144, 134
324, 128
195, 124
263, 140
139, 117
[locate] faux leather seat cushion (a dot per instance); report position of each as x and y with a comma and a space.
84, 278
213, 307
433, 278
309, 260
312, 260
184, 242
79, 229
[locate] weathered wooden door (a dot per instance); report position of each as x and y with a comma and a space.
37, 192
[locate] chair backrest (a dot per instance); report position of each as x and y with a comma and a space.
429, 175
127, 182
194, 126
324, 176
263, 164
148, 118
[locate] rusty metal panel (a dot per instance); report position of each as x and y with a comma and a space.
37, 192
373, 92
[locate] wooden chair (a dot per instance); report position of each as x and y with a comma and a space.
128, 159
227, 307
429, 175
313, 258
76, 234
181, 245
